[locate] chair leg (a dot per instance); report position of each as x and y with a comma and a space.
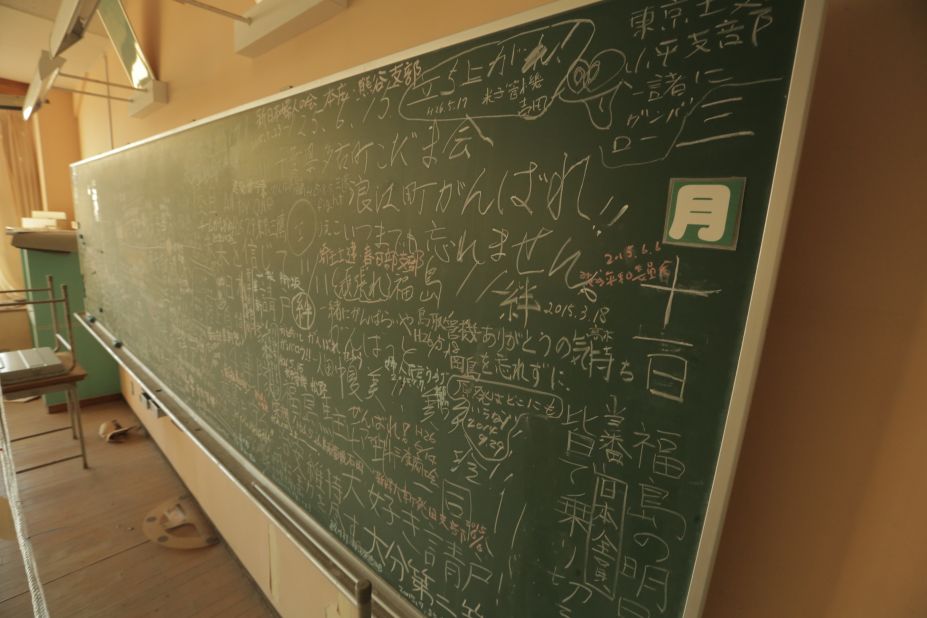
75, 398
71, 418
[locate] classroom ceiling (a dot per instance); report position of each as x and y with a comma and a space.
25, 26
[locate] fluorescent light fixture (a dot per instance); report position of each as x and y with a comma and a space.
139, 74
41, 83
120, 32
151, 93
70, 24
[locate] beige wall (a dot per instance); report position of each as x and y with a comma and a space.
57, 147
828, 516
828, 507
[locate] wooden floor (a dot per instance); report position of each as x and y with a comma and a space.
85, 527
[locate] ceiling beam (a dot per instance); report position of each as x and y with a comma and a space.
9, 86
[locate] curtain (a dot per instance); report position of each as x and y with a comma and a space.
20, 192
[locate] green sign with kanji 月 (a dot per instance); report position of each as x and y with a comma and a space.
704, 212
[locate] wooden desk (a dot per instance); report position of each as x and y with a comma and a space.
68, 383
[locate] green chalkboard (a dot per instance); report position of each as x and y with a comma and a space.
479, 311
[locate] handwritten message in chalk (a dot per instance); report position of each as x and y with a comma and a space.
478, 312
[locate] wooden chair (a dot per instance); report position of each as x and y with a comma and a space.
67, 382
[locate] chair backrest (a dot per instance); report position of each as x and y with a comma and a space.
46, 296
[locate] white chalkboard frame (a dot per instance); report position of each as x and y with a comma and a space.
783, 184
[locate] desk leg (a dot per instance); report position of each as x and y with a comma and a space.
71, 417
74, 400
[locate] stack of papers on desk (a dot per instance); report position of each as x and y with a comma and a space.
32, 364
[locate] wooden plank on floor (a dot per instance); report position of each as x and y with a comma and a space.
151, 580
18, 578
85, 527
12, 572
19, 606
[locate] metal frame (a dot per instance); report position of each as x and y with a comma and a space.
98, 81
95, 94
68, 386
764, 279
60, 341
